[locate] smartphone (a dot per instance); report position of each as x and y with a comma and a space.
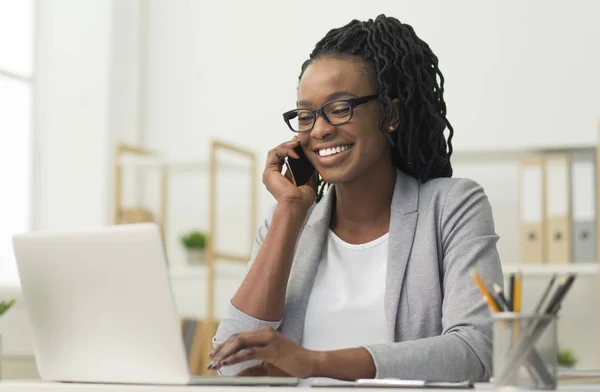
302, 170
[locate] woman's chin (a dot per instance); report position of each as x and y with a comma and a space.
330, 177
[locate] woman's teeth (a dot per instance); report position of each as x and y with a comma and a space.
334, 150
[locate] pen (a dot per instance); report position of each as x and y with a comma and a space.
533, 333
545, 294
559, 295
534, 364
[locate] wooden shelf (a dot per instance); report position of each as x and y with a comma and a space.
510, 154
148, 162
236, 270
549, 269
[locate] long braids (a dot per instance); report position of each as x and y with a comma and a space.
404, 68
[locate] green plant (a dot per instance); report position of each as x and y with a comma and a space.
194, 240
566, 358
5, 305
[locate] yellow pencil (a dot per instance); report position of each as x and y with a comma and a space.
518, 292
517, 304
484, 291
494, 308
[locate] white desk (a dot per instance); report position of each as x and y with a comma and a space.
42, 386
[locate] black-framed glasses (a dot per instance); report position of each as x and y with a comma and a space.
335, 113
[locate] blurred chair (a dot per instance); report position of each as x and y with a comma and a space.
197, 339
136, 215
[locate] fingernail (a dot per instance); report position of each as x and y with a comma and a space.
211, 366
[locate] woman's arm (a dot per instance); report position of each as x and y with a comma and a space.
262, 292
464, 349
259, 301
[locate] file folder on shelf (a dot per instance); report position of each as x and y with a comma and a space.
583, 206
558, 208
531, 200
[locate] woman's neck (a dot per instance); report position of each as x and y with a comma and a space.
362, 206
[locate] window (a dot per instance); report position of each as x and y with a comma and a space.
16, 156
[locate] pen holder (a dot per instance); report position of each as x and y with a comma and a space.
525, 350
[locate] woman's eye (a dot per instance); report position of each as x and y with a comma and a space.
305, 117
340, 110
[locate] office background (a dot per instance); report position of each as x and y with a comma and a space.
78, 78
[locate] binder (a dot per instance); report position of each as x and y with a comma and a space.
583, 206
558, 208
531, 203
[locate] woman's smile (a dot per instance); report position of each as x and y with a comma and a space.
333, 155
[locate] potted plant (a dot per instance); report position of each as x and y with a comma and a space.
566, 358
4, 306
195, 244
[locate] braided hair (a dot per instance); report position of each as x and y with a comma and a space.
404, 68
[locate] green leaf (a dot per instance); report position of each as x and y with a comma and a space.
566, 358
194, 240
5, 305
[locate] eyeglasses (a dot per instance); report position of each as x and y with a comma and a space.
335, 113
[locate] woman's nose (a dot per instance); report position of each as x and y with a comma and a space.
322, 129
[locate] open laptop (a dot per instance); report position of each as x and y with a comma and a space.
102, 310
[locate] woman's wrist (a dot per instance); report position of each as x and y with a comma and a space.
346, 364
295, 207
317, 360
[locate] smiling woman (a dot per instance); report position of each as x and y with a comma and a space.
371, 278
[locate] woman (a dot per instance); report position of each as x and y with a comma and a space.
373, 279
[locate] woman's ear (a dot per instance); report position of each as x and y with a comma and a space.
395, 121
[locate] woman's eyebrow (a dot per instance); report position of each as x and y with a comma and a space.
330, 97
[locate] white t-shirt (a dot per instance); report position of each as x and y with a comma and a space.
345, 308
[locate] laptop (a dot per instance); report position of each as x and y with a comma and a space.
102, 310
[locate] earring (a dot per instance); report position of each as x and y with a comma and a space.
391, 128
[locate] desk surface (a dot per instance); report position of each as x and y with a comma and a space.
37, 385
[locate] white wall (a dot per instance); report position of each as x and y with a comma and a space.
517, 73
72, 113
86, 87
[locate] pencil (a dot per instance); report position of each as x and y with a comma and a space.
484, 291
534, 363
516, 296
502, 298
533, 334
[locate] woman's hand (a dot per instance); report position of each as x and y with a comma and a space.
279, 355
282, 187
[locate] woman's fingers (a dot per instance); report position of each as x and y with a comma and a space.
292, 153
312, 181
242, 341
245, 354
277, 155
288, 174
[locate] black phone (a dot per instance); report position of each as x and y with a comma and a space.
301, 168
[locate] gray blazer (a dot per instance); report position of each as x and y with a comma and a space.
439, 231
